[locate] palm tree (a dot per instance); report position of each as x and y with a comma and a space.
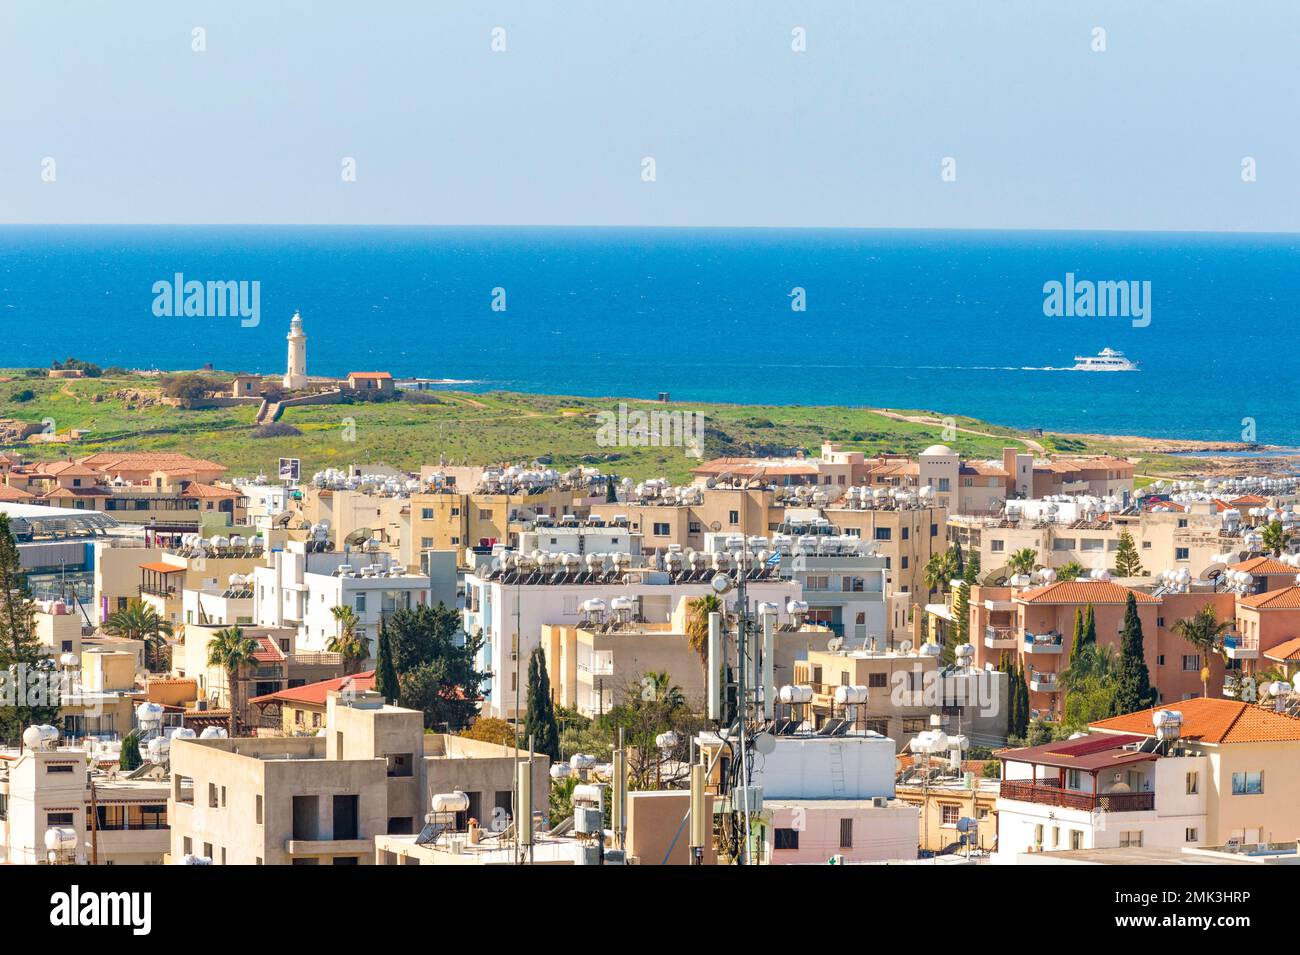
1204, 630
940, 570
664, 689
1071, 571
350, 640
697, 624
1275, 538
232, 652
139, 621
1023, 561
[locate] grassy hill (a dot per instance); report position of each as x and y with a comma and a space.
124, 412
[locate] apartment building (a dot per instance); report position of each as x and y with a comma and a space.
944, 802
511, 599
300, 585
906, 532
121, 821
665, 516
825, 797
905, 690
323, 800
592, 665
1201, 772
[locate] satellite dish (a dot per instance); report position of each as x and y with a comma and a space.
358, 537
905, 645
834, 644
722, 584
764, 743
715, 525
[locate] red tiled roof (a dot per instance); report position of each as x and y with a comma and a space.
195, 489
162, 568
1287, 652
1083, 592
1285, 598
269, 652
8, 493
1263, 566
369, 374
1214, 721
148, 461
315, 694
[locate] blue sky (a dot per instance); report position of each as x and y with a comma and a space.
1046, 133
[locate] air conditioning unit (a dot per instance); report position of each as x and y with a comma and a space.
879, 802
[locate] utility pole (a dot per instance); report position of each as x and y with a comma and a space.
94, 824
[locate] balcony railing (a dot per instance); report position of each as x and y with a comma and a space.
999, 638
1239, 647
1046, 794
1048, 641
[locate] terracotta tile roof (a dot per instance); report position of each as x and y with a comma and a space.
369, 374
270, 652
1249, 500
8, 493
70, 468
94, 491
1214, 721
984, 468
195, 489
314, 694
1288, 652
148, 461
1285, 598
1263, 566
1083, 592
161, 568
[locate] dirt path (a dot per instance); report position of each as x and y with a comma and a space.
1032, 445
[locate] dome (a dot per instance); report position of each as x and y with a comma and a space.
938, 450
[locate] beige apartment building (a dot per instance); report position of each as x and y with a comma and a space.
944, 802
455, 520
592, 667
323, 800
51, 788
904, 690
749, 511
906, 536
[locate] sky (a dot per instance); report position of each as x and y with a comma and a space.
108, 113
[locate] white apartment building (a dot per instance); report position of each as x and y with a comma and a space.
300, 586
502, 600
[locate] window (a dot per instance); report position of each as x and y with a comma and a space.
905, 530
400, 825
1191, 662
1038, 835
212, 796
346, 816
58, 768
1076, 839
785, 839
884, 534
1182, 522
58, 819
361, 603
659, 530
1181, 553
1131, 839
846, 833
1191, 835
426, 543
1247, 784
877, 680
484, 514
997, 547
399, 764
915, 724
259, 809
733, 517
934, 530
950, 815
1193, 783
426, 513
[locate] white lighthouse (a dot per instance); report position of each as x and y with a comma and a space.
295, 376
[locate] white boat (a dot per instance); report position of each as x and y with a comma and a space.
1106, 360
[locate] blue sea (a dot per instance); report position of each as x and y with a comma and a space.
947, 321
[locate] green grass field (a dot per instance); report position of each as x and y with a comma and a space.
461, 428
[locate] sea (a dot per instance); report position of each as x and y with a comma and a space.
949, 321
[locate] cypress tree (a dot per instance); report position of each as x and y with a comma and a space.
130, 758
385, 671
972, 574
1133, 689
1076, 644
539, 719
958, 563
611, 492
1090, 626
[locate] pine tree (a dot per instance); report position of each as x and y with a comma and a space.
1127, 562
972, 574
20, 650
1133, 689
130, 758
1090, 626
1076, 645
385, 672
539, 718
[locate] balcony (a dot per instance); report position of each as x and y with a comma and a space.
1000, 638
1044, 683
329, 847
1048, 641
1238, 647
1047, 794
600, 663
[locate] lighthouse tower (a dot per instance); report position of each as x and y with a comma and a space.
295, 375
